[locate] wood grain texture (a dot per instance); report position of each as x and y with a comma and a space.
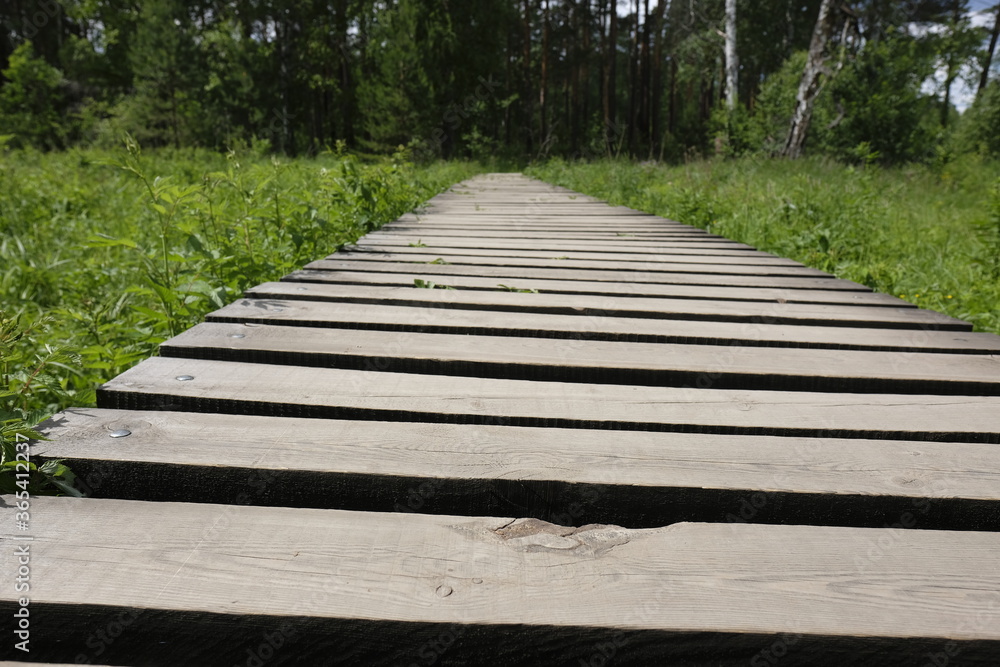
374, 263
605, 362
295, 391
575, 327
557, 258
513, 244
601, 250
609, 306
533, 209
569, 477
644, 222
688, 591
504, 231
624, 289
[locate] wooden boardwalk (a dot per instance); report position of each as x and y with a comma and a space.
526, 427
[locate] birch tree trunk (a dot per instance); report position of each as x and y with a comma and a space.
809, 86
732, 64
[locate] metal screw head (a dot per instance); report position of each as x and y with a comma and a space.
184, 378
120, 433
277, 310
302, 289
237, 335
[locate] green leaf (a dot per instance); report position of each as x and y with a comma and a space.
103, 241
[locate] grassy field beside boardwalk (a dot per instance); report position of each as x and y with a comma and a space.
929, 234
106, 254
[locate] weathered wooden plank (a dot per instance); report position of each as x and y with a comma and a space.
512, 232
604, 306
653, 364
296, 391
623, 289
199, 583
573, 327
639, 479
518, 195
532, 209
365, 262
552, 248
577, 260
679, 255
545, 222
602, 246
705, 261
682, 256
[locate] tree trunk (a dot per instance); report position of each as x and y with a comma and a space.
950, 67
528, 115
610, 123
656, 95
544, 85
809, 86
985, 77
732, 64
633, 73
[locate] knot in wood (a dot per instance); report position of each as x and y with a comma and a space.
533, 535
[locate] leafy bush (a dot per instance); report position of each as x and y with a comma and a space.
876, 100
21, 376
979, 130
31, 101
120, 250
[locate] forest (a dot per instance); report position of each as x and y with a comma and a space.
665, 80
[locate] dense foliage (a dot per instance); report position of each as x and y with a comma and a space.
106, 254
930, 235
521, 78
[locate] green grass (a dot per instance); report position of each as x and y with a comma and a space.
928, 234
105, 255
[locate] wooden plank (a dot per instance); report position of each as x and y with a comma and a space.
203, 582
573, 327
639, 307
520, 233
546, 222
682, 255
296, 391
434, 227
513, 232
624, 289
620, 262
366, 263
601, 247
564, 476
653, 364
533, 209
706, 258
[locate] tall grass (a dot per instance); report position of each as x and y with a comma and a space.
107, 254
928, 234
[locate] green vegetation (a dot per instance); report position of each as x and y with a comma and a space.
106, 254
22, 377
928, 234
507, 79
